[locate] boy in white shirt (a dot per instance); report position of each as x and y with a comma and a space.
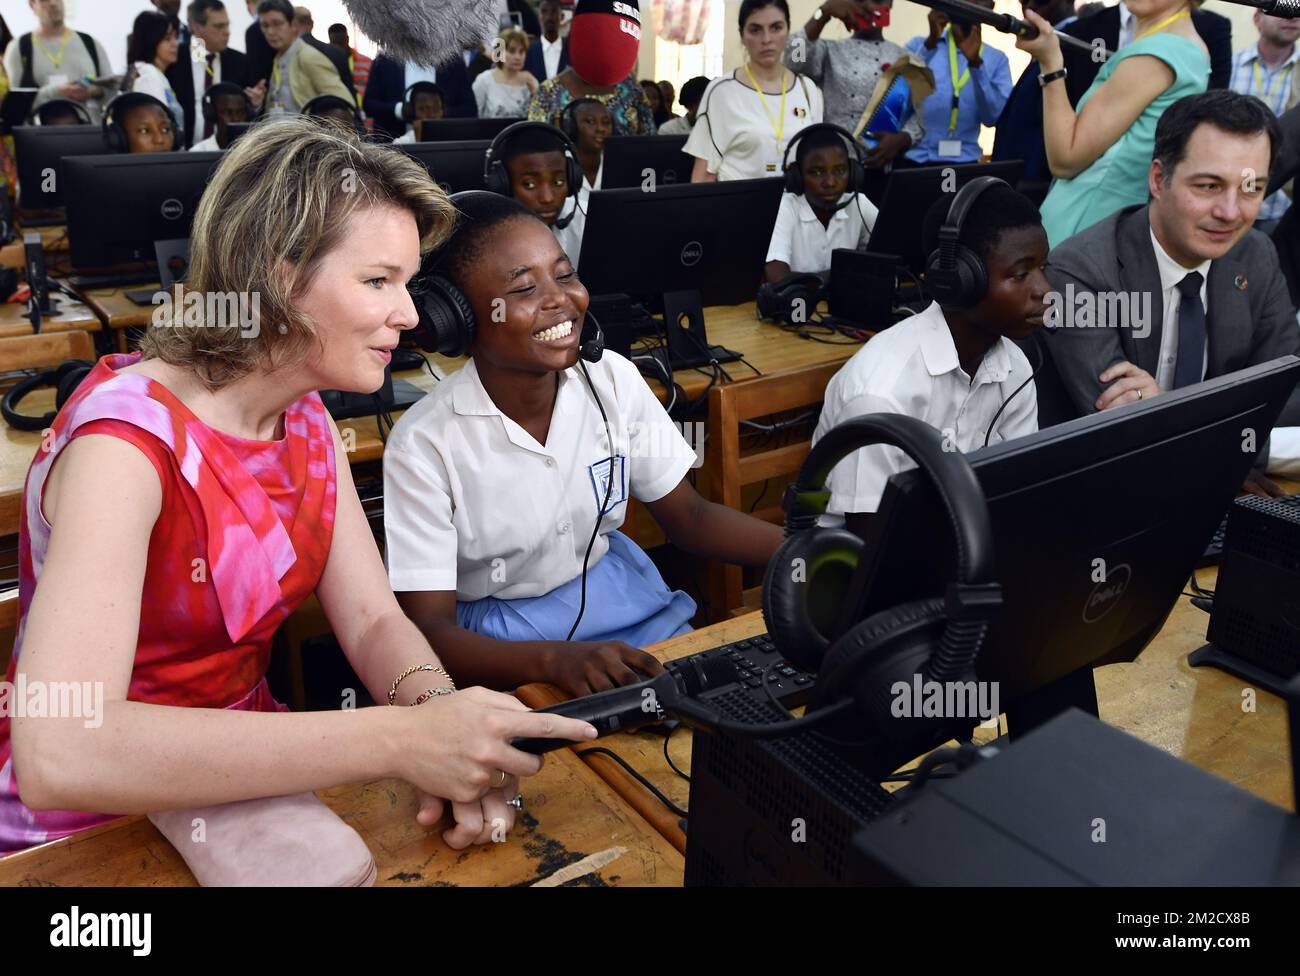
501, 484
812, 224
954, 366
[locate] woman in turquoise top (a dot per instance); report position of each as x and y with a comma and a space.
1101, 153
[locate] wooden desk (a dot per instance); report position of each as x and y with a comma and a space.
570, 817
54, 240
1193, 713
72, 316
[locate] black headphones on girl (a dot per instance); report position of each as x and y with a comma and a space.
37, 114
808, 581
115, 137
413, 89
208, 103
447, 324
568, 121
321, 103
497, 180
65, 378
794, 182
955, 276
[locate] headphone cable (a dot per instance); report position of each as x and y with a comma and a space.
600, 516
1042, 358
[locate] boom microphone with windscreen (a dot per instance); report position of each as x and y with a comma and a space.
604, 40
429, 32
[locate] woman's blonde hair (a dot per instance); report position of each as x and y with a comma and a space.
277, 204
511, 36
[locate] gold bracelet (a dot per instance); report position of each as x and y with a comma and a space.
436, 669
432, 693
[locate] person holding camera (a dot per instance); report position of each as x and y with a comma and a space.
971, 85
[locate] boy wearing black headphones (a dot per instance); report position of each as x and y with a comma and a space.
228, 104
428, 102
821, 209
955, 365
537, 164
504, 487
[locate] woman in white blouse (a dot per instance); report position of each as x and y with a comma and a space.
747, 118
151, 50
505, 91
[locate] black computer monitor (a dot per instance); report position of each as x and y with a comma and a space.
462, 130
41, 150
1097, 526
118, 206
627, 158
455, 165
908, 195
705, 237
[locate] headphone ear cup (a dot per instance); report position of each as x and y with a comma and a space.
68, 378
446, 318
857, 175
496, 179
794, 179
866, 663
573, 170
805, 584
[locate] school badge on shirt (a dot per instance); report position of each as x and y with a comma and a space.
600, 481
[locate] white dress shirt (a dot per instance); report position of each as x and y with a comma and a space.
1171, 272
551, 55
473, 503
199, 71
570, 235
800, 240
913, 369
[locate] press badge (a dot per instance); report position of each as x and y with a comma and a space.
949, 148
600, 475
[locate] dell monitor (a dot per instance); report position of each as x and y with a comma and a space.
908, 195
462, 130
455, 166
41, 150
119, 206
631, 161
1097, 525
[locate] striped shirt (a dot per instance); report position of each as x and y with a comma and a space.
1272, 86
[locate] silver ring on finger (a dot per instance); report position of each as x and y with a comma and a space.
496, 783
517, 802
1139, 393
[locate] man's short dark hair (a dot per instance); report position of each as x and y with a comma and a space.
820, 139
197, 12
283, 7
998, 209
693, 91
1226, 110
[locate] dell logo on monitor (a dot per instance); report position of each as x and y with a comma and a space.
1105, 596
692, 253
173, 209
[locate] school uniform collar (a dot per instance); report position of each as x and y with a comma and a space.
806, 213
940, 353
470, 399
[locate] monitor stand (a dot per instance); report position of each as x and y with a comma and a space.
688, 342
1075, 690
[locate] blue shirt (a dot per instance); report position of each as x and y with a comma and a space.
981, 102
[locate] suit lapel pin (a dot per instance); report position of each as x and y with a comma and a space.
1240, 282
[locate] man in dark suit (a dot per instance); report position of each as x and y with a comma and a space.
389, 79
208, 21
259, 52
549, 44
1183, 289
303, 24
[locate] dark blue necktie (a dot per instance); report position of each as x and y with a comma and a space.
1191, 332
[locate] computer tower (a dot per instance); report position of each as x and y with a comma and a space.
773, 811
1255, 625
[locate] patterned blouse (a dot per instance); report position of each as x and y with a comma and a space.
628, 106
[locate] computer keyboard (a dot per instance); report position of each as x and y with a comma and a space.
114, 280
757, 660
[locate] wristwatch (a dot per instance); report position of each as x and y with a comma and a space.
1047, 79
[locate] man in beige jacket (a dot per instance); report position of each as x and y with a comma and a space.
299, 72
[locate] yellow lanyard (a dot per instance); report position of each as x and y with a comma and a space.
63, 48
778, 125
1164, 23
275, 78
957, 83
1260, 84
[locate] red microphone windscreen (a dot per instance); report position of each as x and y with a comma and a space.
604, 39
